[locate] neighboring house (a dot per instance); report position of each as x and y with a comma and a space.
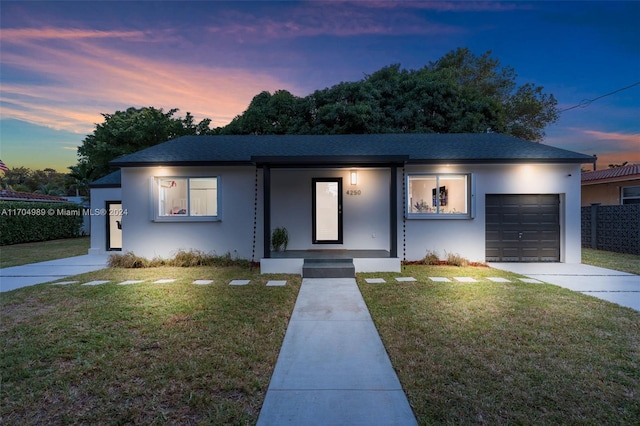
376, 198
612, 187
11, 195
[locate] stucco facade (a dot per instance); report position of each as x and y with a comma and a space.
366, 212
612, 187
99, 229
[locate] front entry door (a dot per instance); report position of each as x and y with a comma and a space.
114, 225
327, 210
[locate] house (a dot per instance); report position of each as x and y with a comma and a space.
376, 199
612, 187
11, 195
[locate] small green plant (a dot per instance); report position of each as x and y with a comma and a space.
454, 259
431, 258
280, 239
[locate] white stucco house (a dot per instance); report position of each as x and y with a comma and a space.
376, 199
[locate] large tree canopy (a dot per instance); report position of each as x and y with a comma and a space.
460, 92
125, 132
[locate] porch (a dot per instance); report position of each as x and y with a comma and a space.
293, 261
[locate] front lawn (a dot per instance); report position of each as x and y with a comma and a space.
21, 254
499, 353
607, 259
175, 353
179, 353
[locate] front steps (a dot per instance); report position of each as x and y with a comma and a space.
328, 268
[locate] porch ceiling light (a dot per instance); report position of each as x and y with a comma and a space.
354, 177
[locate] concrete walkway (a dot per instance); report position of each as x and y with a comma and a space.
333, 368
606, 284
36, 273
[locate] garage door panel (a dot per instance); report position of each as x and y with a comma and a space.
522, 227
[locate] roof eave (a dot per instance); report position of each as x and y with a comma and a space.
199, 163
618, 179
501, 161
331, 160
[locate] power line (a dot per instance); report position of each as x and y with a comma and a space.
585, 103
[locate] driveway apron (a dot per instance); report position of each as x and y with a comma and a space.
333, 368
606, 284
15, 277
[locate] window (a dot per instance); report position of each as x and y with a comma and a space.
631, 195
187, 198
441, 196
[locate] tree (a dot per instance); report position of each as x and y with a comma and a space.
125, 132
268, 114
47, 181
460, 92
15, 176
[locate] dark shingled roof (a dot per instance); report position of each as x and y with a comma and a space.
112, 180
629, 172
349, 150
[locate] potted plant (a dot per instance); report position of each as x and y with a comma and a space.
280, 239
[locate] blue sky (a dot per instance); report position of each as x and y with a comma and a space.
62, 64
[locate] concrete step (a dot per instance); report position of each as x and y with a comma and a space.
328, 268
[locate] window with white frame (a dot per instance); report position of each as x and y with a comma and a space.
180, 197
631, 195
438, 196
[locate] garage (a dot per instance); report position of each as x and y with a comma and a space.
522, 228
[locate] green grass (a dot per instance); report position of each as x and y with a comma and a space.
147, 353
22, 254
488, 353
482, 353
608, 259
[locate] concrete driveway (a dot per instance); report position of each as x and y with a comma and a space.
614, 286
36, 273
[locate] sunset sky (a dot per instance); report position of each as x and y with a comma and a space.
62, 64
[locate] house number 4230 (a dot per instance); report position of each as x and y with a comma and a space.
354, 192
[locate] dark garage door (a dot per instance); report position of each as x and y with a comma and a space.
523, 228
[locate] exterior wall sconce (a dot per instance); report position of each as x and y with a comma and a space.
353, 177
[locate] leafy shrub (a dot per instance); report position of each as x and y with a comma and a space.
454, 259
24, 222
431, 258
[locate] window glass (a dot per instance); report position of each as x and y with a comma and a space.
172, 196
438, 195
631, 195
453, 194
184, 197
203, 193
421, 194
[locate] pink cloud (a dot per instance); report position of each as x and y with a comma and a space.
328, 19
633, 140
22, 34
91, 78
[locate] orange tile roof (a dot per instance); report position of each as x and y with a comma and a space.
11, 195
630, 171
